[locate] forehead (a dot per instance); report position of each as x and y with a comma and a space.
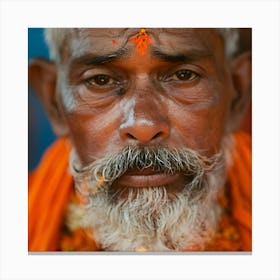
171, 40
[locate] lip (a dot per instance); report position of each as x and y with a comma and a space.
146, 178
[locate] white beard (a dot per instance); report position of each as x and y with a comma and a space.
149, 220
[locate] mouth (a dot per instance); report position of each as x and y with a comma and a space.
147, 178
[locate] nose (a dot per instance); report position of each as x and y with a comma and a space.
144, 125
143, 132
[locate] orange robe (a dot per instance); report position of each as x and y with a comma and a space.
51, 185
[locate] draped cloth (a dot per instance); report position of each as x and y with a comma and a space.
50, 187
240, 187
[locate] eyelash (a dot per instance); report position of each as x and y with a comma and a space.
108, 81
190, 76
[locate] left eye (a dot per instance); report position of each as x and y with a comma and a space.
184, 75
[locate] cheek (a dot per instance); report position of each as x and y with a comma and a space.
93, 136
200, 128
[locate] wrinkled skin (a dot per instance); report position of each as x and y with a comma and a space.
180, 93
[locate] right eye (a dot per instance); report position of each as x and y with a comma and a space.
100, 80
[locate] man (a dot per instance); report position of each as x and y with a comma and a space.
149, 120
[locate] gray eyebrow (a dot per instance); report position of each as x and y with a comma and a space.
188, 56
91, 59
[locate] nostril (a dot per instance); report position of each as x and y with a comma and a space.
144, 132
158, 135
130, 136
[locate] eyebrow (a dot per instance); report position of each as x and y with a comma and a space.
189, 56
91, 59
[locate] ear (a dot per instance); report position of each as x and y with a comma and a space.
42, 77
241, 72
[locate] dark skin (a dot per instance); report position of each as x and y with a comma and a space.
181, 93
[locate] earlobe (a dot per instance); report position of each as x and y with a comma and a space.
42, 77
242, 83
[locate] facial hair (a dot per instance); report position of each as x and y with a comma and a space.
149, 217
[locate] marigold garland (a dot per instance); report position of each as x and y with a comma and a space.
227, 238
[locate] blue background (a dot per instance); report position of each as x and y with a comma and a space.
40, 134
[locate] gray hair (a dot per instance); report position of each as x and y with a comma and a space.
56, 36
149, 218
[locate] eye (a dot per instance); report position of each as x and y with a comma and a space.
184, 75
100, 80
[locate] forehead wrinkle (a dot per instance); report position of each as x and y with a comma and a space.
98, 41
169, 40
178, 40
84, 37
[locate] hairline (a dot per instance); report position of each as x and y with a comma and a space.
55, 38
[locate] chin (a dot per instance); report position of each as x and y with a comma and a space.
146, 219
129, 210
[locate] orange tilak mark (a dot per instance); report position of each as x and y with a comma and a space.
142, 41
115, 42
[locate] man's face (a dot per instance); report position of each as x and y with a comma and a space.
174, 94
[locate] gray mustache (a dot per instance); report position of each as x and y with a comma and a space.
161, 159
